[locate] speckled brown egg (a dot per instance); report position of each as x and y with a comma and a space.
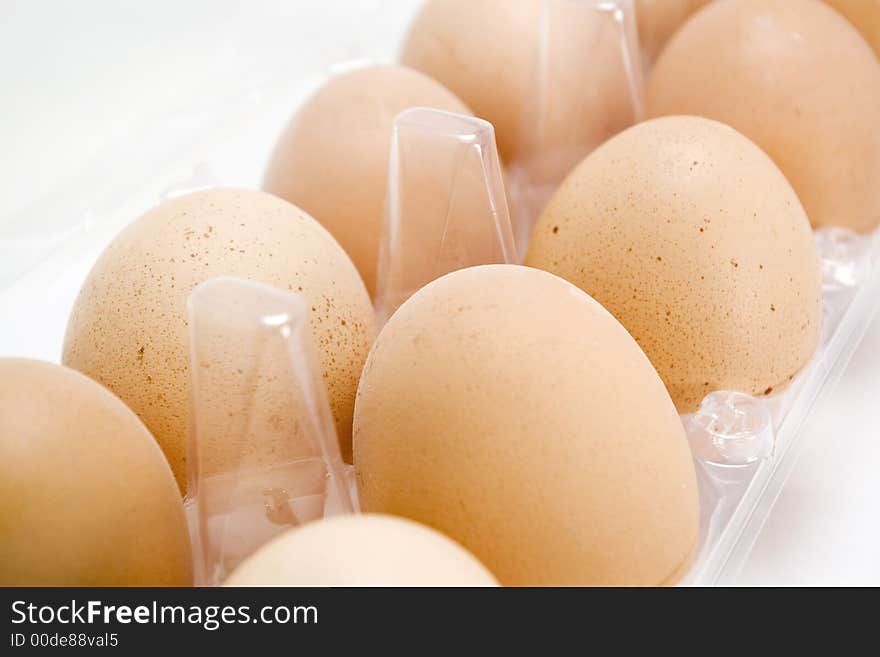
128, 328
798, 80
361, 550
86, 497
332, 159
864, 15
506, 408
692, 238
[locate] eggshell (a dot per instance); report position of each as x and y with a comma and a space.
362, 550
504, 407
87, 498
797, 79
864, 15
128, 328
659, 19
694, 240
488, 52
332, 159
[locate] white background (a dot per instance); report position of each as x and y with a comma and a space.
92, 95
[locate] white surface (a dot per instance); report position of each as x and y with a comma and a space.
825, 527
99, 86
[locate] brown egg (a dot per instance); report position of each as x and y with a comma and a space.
489, 52
659, 19
694, 240
87, 498
128, 328
504, 407
864, 15
799, 81
332, 159
362, 550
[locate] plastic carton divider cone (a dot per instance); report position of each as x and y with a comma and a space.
263, 453
445, 208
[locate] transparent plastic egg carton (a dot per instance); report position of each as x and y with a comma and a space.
446, 207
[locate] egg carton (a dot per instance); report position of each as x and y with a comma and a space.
447, 207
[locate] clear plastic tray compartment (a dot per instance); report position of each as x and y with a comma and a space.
263, 454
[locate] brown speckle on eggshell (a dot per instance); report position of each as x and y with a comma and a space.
128, 328
712, 269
